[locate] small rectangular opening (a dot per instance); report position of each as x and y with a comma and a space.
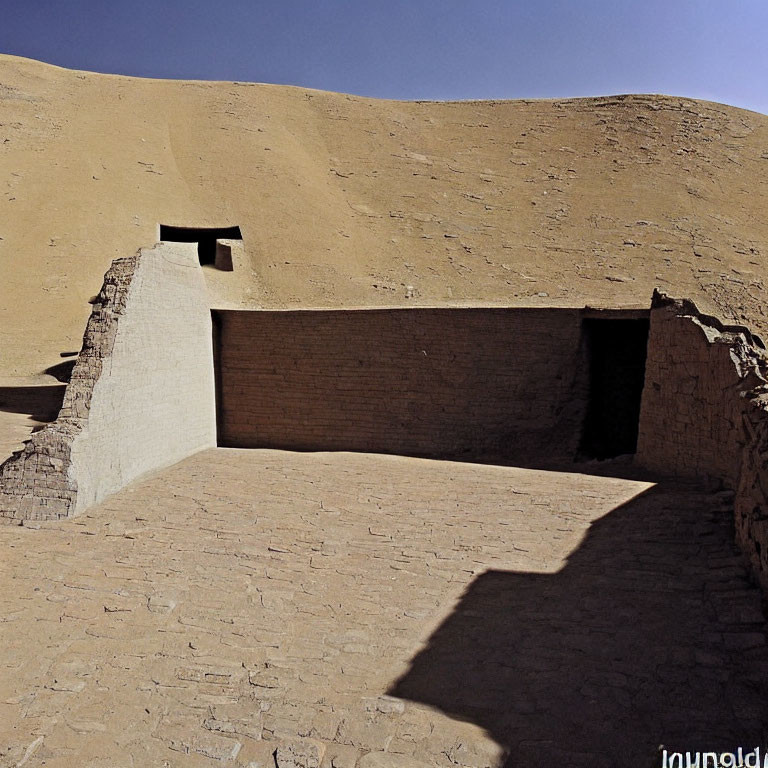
616, 351
205, 237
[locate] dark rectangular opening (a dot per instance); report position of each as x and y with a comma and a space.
616, 352
216, 331
205, 237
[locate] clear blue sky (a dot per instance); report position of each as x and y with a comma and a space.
414, 49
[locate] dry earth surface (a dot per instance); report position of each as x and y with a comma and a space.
348, 201
375, 611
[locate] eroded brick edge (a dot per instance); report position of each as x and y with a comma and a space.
747, 396
37, 483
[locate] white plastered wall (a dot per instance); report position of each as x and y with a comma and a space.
154, 402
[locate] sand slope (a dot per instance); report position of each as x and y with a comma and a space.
349, 201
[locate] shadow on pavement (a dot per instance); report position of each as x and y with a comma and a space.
650, 635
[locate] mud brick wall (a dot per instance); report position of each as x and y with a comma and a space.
751, 502
141, 394
704, 414
697, 371
425, 382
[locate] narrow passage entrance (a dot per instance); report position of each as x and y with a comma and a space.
616, 352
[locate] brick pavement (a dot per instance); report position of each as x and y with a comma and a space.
254, 608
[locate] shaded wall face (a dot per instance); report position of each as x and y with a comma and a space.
704, 414
461, 383
751, 502
691, 414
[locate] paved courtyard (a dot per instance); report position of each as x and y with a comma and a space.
260, 608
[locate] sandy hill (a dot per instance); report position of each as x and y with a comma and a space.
349, 201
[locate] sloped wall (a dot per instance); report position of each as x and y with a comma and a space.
461, 382
141, 395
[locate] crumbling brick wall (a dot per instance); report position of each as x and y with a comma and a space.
697, 373
705, 414
141, 395
751, 502
462, 382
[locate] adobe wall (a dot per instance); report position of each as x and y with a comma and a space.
704, 414
460, 382
751, 502
141, 394
691, 416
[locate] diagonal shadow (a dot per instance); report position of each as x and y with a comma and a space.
39, 403
651, 634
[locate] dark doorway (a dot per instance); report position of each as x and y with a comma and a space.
205, 237
616, 352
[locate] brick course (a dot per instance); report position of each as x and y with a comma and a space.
459, 382
705, 414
